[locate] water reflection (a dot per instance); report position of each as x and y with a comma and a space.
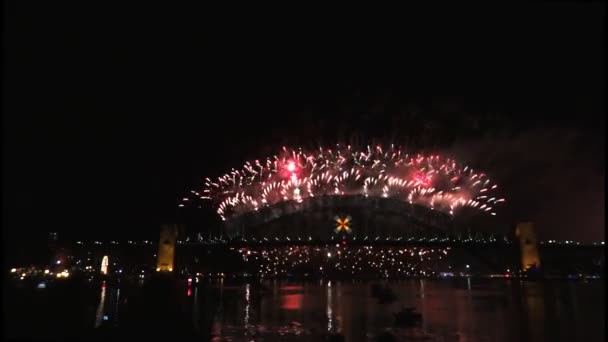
339, 302
117, 302
535, 309
292, 297
247, 291
196, 312
422, 288
99, 312
329, 304
111, 297
453, 310
292, 302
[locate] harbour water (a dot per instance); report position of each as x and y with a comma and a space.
461, 309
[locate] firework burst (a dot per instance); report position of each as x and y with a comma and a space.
295, 175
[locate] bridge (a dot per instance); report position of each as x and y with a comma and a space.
318, 206
484, 255
334, 235
316, 217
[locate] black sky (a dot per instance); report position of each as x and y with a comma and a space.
109, 114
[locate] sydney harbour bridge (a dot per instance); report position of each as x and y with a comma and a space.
352, 236
346, 211
354, 213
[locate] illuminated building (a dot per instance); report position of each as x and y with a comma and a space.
166, 248
528, 245
104, 265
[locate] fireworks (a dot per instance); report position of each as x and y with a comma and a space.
295, 175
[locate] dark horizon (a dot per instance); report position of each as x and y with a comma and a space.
108, 120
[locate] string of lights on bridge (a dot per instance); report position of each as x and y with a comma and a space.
220, 239
365, 239
383, 261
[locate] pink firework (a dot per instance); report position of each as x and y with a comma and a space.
295, 175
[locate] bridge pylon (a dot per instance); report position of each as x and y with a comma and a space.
528, 245
166, 248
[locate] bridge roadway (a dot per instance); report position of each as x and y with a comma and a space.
237, 243
405, 242
492, 252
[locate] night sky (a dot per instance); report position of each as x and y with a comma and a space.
111, 114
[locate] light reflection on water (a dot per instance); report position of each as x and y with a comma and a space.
108, 306
99, 314
116, 304
329, 305
452, 310
247, 287
455, 310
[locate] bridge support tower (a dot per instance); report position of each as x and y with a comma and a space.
166, 248
528, 245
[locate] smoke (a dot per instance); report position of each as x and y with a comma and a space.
553, 176
549, 167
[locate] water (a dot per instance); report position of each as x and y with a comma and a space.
452, 310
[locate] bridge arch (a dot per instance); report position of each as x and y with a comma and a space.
315, 217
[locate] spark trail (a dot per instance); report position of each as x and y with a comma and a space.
294, 175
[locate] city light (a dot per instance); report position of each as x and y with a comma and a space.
13, 270
104, 265
63, 274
